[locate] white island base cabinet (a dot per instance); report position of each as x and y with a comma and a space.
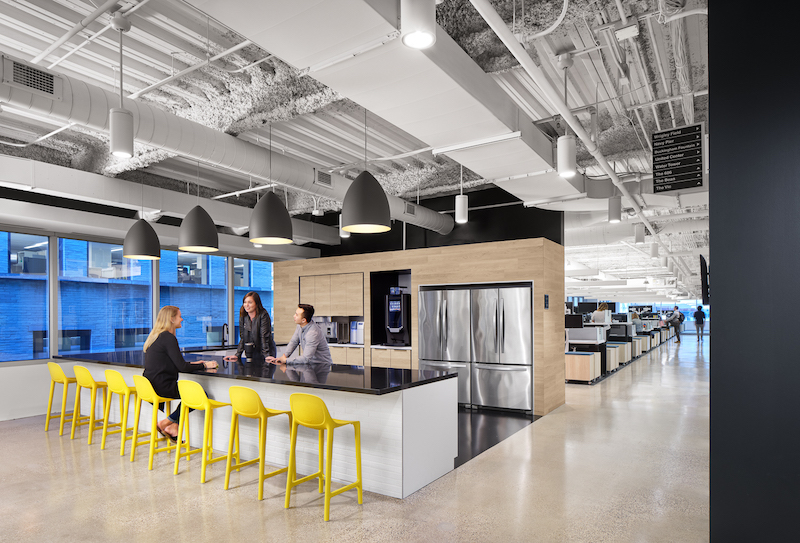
409, 438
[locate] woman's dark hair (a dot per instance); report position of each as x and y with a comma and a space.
257, 299
308, 311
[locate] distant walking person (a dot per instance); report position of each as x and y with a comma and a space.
699, 322
675, 321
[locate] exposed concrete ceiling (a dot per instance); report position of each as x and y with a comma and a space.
654, 81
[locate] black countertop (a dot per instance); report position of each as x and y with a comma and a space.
361, 379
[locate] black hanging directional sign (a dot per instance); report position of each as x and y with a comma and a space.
678, 161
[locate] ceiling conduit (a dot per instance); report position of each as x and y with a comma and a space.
88, 105
496, 23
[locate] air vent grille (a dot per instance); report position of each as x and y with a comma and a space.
33, 78
411, 209
324, 179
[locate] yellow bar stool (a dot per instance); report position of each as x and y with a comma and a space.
194, 397
310, 411
84, 379
57, 376
145, 392
246, 403
117, 385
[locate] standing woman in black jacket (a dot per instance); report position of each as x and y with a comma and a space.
255, 327
163, 361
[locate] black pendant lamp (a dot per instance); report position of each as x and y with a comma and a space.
365, 209
198, 233
270, 223
141, 242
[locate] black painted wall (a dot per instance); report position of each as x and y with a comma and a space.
513, 221
755, 264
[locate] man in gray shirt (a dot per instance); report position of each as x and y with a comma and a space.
309, 337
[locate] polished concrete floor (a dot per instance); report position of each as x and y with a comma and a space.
624, 460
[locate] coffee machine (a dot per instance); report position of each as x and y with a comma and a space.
331, 331
398, 318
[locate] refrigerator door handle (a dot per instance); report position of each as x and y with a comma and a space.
493, 367
444, 365
496, 330
502, 326
444, 325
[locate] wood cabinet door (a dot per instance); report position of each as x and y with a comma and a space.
307, 290
322, 295
339, 355
355, 356
401, 358
339, 295
382, 358
355, 294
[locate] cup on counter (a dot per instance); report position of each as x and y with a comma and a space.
248, 349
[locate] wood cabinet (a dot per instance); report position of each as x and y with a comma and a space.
355, 356
354, 284
307, 290
322, 295
339, 355
382, 358
401, 358
337, 295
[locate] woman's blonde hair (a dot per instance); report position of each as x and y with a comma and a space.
603, 307
163, 322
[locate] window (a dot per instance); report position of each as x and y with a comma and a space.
23, 297
251, 275
104, 300
197, 284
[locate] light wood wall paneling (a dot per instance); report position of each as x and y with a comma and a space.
539, 260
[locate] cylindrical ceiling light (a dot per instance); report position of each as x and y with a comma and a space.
566, 156
120, 122
270, 223
462, 203
344, 234
654, 250
365, 209
120, 125
418, 23
663, 259
615, 209
198, 234
462, 206
638, 234
141, 242
671, 267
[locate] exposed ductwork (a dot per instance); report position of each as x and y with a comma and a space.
607, 234
71, 100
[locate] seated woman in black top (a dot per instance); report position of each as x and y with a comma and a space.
255, 327
163, 361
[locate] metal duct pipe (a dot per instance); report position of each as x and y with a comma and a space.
88, 105
613, 233
83, 23
500, 28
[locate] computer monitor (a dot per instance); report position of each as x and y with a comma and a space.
573, 321
619, 317
587, 307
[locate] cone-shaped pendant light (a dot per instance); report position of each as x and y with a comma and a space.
141, 242
270, 223
365, 209
198, 233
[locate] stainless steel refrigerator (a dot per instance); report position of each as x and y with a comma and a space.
502, 347
444, 335
485, 333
